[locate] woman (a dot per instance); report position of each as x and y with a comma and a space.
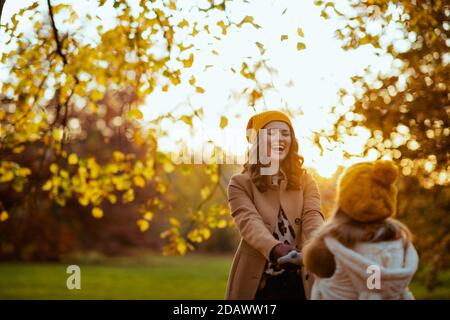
275, 213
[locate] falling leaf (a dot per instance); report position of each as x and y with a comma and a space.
223, 26
223, 122
284, 37
186, 119
199, 90
260, 47
188, 62
300, 32
248, 19
183, 23
301, 46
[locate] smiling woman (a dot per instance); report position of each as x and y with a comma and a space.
275, 213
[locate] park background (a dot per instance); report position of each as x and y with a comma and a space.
99, 97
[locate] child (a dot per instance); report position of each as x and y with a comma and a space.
362, 253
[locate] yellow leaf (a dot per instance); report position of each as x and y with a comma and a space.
187, 120
64, 174
188, 62
223, 122
23, 172
97, 212
183, 24
18, 149
57, 134
301, 46
222, 224
139, 181
284, 37
4, 216
118, 156
128, 196
84, 201
161, 188
223, 26
199, 90
204, 192
148, 215
174, 222
135, 113
192, 81
206, 233
181, 247
112, 198
54, 168
248, 19
168, 167
73, 159
300, 32
96, 95
143, 225
7, 176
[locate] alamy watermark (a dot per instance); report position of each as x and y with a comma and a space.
207, 153
74, 280
374, 280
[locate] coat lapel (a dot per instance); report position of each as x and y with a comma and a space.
290, 201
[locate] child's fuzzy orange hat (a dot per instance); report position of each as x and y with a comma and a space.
367, 191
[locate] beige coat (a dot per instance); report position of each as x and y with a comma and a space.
255, 215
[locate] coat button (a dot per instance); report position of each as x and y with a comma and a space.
297, 221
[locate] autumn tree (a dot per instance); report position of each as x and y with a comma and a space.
68, 70
406, 109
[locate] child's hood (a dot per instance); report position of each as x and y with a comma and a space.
394, 263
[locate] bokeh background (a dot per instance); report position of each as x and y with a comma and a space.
121, 123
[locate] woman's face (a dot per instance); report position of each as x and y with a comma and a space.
278, 148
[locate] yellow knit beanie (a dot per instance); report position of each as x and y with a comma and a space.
367, 192
259, 120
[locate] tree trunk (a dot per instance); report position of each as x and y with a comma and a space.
2, 2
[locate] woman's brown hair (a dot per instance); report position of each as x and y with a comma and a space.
292, 166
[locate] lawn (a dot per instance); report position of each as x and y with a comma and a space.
151, 276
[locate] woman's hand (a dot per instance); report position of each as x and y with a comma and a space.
280, 250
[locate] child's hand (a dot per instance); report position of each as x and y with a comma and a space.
280, 250
293, 257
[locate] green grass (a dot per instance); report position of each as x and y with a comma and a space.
150, 276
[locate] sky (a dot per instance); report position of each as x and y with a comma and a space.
316, 74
